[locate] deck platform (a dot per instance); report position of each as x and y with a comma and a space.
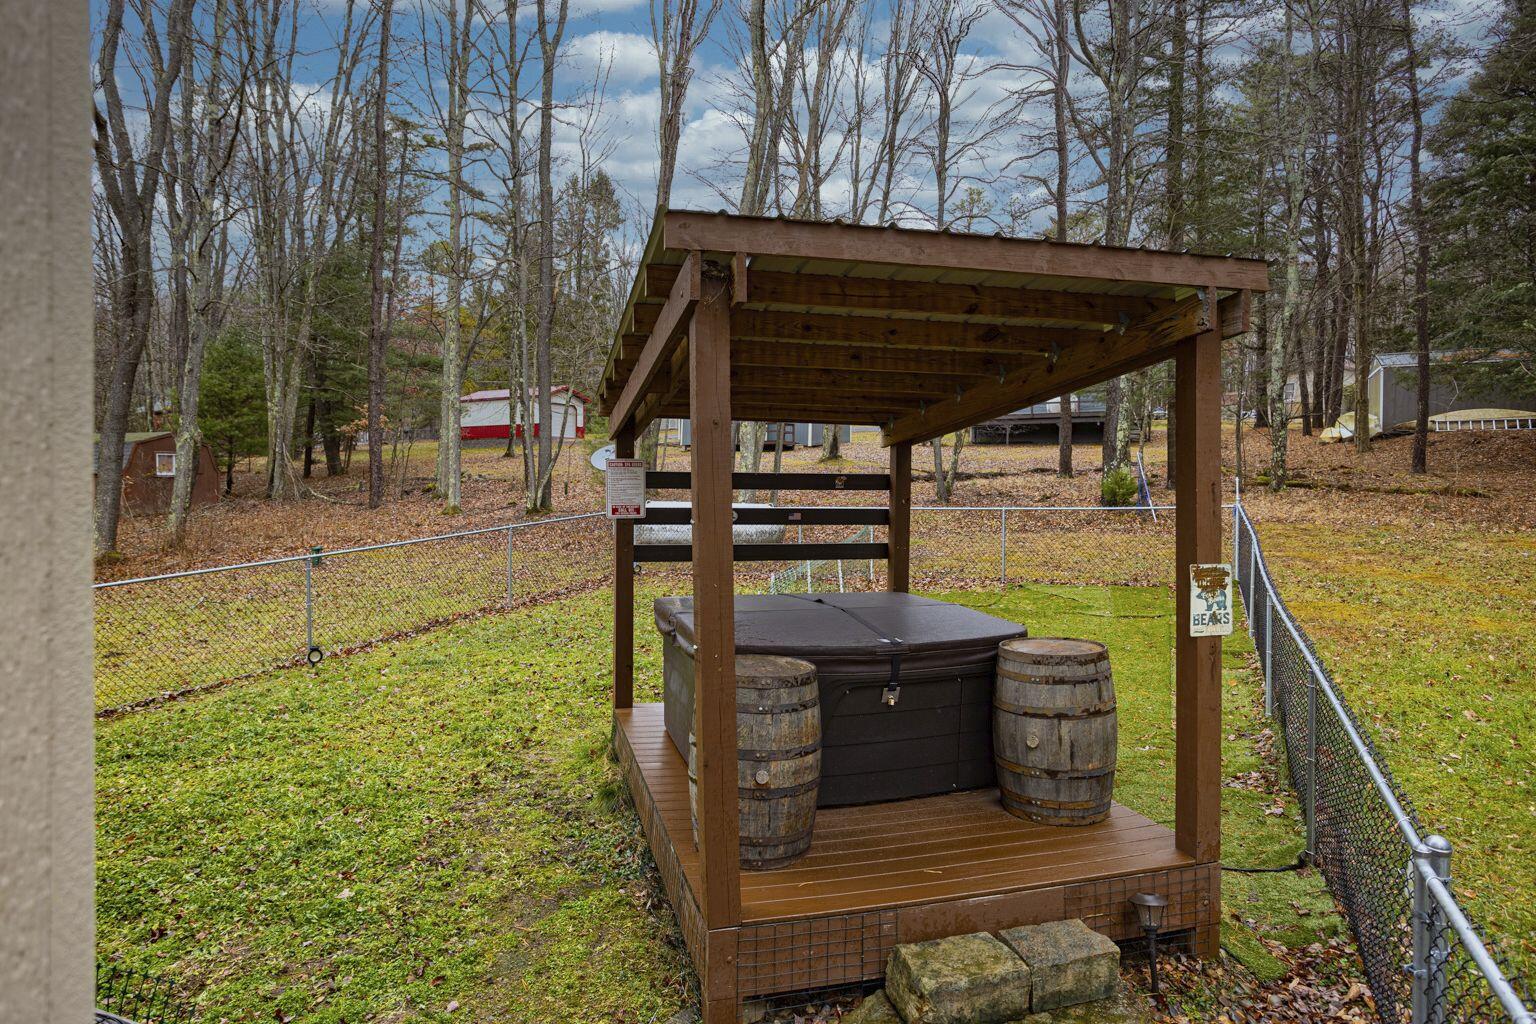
881, 874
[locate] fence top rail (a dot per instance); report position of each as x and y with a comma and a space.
1404, 820
508, 527
289, 559
1502, 990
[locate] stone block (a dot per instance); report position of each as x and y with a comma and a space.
1068, 962
1124, 1007
875, 1008
963, 979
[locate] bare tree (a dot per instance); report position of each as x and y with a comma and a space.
677, 29
950, 77
1420, 229
130, 180
451, 55
377, 305
1293, 123
201, 147
550, 37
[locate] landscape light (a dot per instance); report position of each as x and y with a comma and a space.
1149, 910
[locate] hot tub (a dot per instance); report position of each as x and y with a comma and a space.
906, 685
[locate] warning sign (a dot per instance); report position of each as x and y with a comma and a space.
1210, 600
626, 488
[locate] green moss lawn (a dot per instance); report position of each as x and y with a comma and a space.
1431, 636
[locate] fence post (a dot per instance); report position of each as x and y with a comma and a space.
509, 565
1311, 804
309, 604
1003, 551
1269, 658
1430, 946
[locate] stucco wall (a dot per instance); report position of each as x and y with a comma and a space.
45, 505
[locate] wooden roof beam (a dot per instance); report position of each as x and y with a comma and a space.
670, 325
923, 298
773, 355
895, 333
1148, 342
853, 243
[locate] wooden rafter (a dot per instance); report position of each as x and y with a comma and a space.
899, 298
1149, 341
670, 325
854, 243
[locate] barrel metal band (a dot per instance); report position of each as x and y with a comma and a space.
1055, 773
776, 792
777, 840
1021, 677
777, 709
779, 753
1084, 711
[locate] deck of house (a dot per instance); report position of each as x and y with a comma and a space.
905, 871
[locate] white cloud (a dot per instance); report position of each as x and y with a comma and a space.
632, 57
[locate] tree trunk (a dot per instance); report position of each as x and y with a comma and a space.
549, 47
1064, 438
130, 182
1421, 245
376, 345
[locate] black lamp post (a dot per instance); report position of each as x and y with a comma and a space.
1149, 910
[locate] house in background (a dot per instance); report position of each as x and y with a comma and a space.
1043, 422
149, 470
485, 415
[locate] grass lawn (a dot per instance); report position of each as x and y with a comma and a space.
1432, 638
436, 822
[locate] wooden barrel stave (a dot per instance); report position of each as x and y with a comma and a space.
778, 759
1055, 730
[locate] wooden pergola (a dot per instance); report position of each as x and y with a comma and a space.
922, 333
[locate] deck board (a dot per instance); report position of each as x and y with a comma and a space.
904, 853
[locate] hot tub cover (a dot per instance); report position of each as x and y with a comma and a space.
905, 681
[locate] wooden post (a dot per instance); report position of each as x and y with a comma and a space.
899, 532
1197, 403
709, 385
624, 589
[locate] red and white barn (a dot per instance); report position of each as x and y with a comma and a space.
487, 414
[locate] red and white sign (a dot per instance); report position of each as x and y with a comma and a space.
626, 488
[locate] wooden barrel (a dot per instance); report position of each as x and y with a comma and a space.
1054, 730
778, 759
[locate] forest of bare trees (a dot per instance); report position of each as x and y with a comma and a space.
320, 224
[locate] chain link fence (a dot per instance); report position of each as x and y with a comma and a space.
166, 636
1424, 961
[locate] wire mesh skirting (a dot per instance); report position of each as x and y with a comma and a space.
1362, 832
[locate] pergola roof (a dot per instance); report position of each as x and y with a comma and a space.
921, 332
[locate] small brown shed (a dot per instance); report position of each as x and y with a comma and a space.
149, 468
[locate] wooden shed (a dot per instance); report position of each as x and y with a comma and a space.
149, 470
923, 333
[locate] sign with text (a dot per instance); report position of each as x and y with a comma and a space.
1210, 600
626, 488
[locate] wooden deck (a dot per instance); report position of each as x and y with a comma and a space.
905, 871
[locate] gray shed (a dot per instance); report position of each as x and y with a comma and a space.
1393, 387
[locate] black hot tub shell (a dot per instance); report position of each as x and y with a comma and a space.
905, 681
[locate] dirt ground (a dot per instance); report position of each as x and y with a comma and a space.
1476, 478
